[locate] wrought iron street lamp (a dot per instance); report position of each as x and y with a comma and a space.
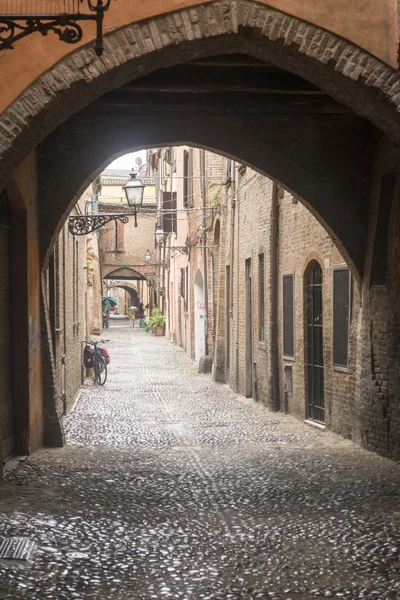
159, 235
84, 224
14, 26
134, 190
148, 256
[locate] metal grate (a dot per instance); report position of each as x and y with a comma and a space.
315, 349
16, 548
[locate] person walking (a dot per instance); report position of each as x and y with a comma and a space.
132, 313
106, 313
141, 314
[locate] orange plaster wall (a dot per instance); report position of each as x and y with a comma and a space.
25, 177
370, 24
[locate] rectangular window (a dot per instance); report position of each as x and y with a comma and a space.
183, 284
227, 314
74, 280
288, 306
261, 298
229, 170
169, 215
119, 245
289, 380
187, 289
341, 314
186, 179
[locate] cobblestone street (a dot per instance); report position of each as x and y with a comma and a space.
172, 486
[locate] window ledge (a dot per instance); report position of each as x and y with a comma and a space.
289, 358
340, 369
315, 424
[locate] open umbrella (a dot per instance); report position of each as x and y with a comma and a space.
112, 301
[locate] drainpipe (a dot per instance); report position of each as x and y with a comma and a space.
275, 400
231, 266
213, 303
204, 227
64, 356
237, 282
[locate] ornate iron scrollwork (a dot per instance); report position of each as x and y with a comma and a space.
66, 26
84, 224
12, 30
181, 249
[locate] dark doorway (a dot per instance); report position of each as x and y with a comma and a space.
315, 347
249, 331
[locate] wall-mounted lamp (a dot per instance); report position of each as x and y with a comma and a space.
159, 235
84, 224
148, 256
161, 291
134, 190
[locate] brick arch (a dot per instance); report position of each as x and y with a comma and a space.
112, 272
348, 73
311, 258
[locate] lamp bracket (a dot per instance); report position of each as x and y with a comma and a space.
84, 224
181, 249
14, 27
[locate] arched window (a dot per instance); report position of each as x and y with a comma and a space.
315, 343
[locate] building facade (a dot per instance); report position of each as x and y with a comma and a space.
267, 295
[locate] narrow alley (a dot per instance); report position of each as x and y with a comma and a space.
171, 486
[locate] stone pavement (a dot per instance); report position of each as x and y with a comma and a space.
174, 487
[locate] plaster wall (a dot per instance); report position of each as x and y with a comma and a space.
370, 24
26, 181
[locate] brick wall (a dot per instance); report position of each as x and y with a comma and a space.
302, 239
69, 327
132, 245
246, 214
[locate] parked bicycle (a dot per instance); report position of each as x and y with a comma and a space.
97, 358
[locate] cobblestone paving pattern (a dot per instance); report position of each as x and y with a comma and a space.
174, 487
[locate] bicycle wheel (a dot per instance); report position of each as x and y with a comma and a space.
100, 369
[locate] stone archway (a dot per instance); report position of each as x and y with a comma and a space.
346, 72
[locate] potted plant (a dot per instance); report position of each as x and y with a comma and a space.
157, 321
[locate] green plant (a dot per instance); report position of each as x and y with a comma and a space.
156, 319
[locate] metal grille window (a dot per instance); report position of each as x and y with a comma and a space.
261, 298
315, 344
288, 306
341, 314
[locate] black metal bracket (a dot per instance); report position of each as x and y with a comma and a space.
181, 249
66, 26
84, 224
